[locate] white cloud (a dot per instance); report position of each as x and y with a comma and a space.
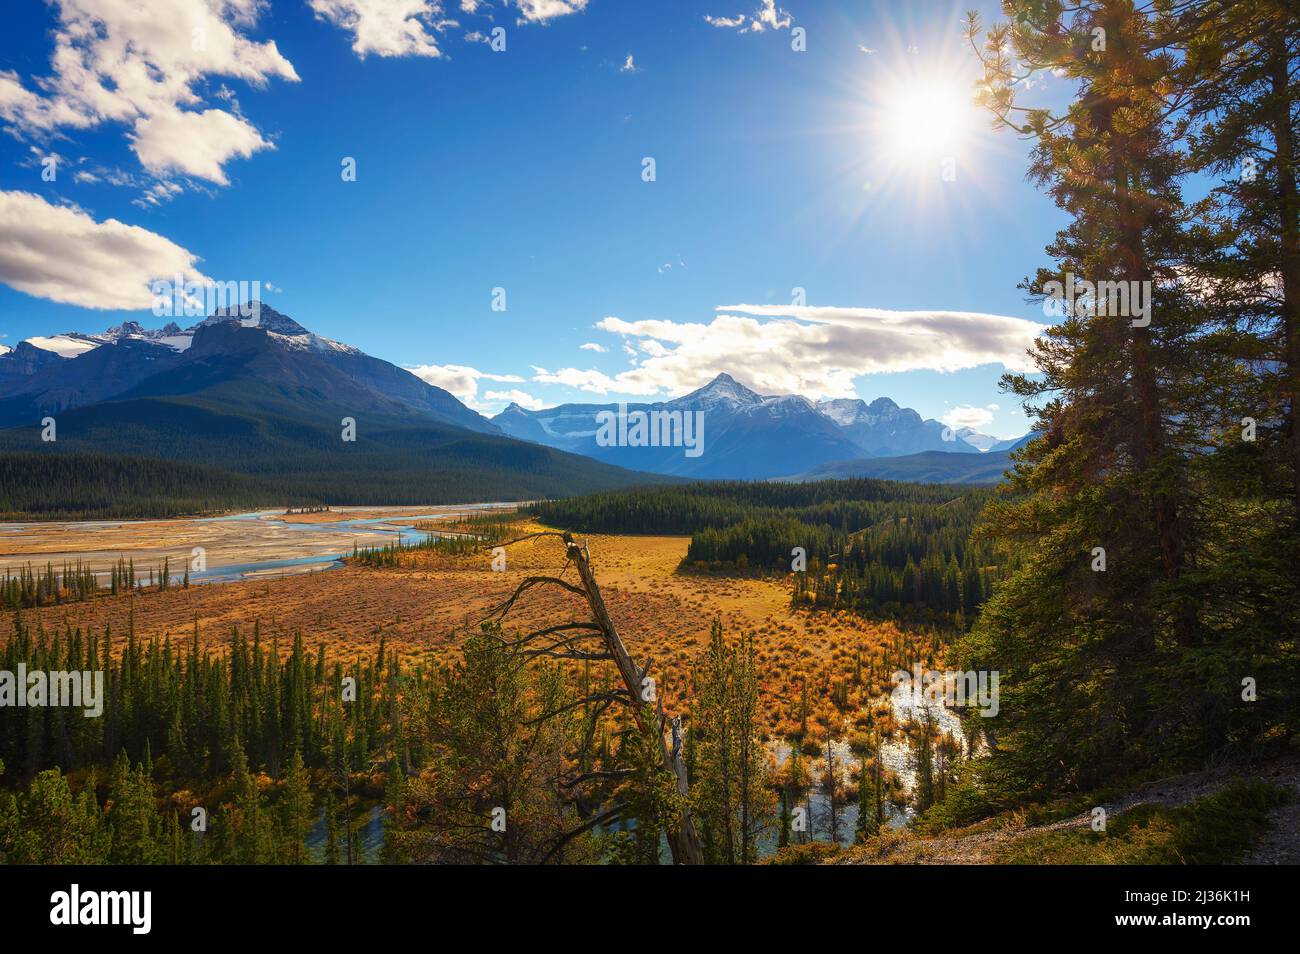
770, 16
539, 11
385, 27
141, 65
966, 416
815, 351
767, 16
410, 27
61, 253
629, 66
592, 346
595, 382
158, 193
194, 143
460, 380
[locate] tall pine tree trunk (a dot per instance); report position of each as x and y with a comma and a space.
1289, 203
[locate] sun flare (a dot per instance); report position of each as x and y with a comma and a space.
926, 120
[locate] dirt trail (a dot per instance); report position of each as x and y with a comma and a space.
1279, 845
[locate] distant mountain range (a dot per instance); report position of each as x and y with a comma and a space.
747, 435
266, 398
49, 375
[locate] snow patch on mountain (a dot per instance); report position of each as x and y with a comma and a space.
985, 442
787, 405
65, 346
843, 411
283, 329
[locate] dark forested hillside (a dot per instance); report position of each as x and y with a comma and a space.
279, 455
88, 486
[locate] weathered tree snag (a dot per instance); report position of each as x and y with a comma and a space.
683, 841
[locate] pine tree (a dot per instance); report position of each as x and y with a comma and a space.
1090, 658
331, 829
923, 762
132, 815
296, 811
730, 766
864, 828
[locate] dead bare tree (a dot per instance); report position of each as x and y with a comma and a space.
567, 641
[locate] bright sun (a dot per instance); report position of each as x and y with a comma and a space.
926, 120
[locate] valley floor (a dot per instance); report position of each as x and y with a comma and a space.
235, 540
421, 607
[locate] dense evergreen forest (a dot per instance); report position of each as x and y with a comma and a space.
36, 486
75, 485
178, 713
874, 546
254, 755
845, 505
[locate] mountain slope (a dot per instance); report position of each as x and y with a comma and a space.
248, 366
981, 442
92, 376
929, 467
1013, 444
19, 364
392, 461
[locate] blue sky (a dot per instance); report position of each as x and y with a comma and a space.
523, 169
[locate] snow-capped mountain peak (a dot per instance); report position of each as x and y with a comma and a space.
255, 314
281, 328
722, 391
